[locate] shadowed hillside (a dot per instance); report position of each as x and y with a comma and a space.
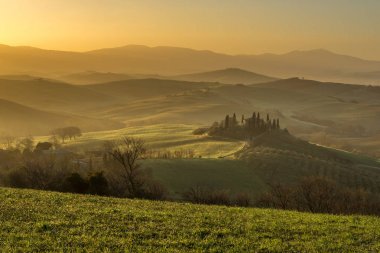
50, 95
18, 120
280, 157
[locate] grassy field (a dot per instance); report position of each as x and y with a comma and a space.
234, 176
34, 221
159, 137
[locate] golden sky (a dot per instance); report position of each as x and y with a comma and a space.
234, 26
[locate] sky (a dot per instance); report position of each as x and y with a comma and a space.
228, 26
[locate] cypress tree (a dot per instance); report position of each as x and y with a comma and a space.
227, 121
242, 119
234, 121
278, 123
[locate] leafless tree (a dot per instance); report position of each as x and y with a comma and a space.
128, 153
39, 172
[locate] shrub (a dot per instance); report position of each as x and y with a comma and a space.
98, 184
155, 191
242, 199
76, 184
201, 195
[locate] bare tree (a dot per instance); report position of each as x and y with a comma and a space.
39, 172
127, 154
317, 194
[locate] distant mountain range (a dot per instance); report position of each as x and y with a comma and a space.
170, 61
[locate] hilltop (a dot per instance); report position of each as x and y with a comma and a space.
57, 222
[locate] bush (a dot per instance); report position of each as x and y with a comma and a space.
202, 195
155, 191
17, 179
242, 199
98, 184
200, 131
76, 184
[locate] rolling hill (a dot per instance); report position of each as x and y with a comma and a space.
93, 77
324, 113
229, 164
312, 64
66, 222
50, 95
136, 89
17, 119
227, 76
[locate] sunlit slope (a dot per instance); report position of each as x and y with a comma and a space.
21, 120
169, 137
305, 107
66, 222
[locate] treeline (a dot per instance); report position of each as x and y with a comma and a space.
311, 194
120, 175
320, 195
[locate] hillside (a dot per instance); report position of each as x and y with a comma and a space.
281, 157
18, 120
93, 77
312, 64
227, 76
227, 164
65, 222
50, 95
136, 89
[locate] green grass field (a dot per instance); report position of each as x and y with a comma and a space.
36, 221
232, 175
158, 137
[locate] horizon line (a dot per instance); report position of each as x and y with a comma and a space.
189, 48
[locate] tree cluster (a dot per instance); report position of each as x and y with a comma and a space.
64, 133
243, 129
320, 195
26, 166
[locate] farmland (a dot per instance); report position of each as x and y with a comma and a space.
158, 137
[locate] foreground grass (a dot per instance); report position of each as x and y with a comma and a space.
33, 221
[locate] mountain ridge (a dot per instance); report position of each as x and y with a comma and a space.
317, 64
